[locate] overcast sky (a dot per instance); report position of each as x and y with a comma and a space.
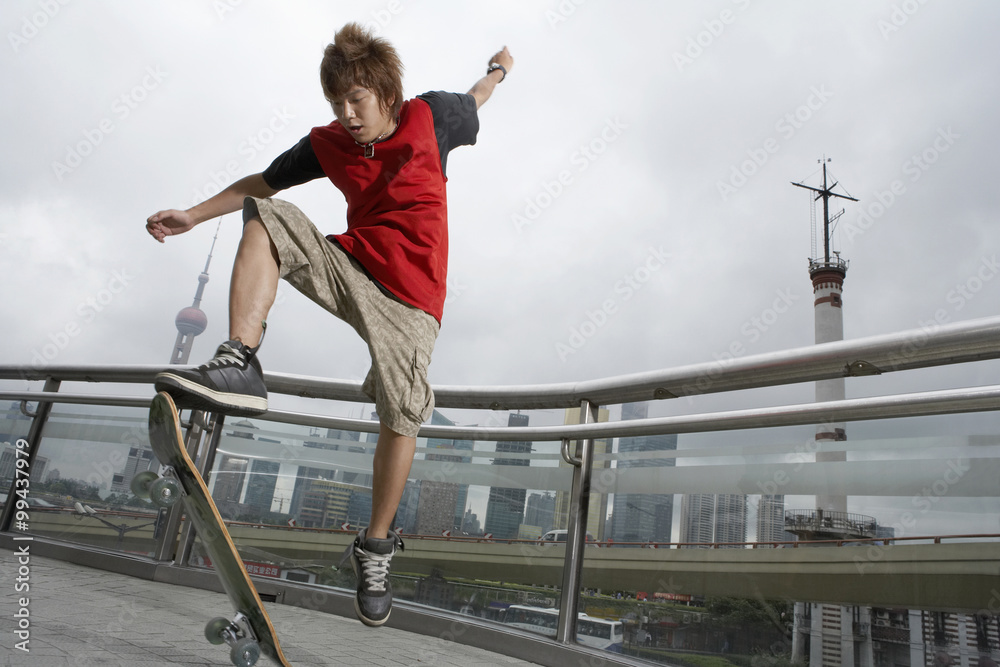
628, 205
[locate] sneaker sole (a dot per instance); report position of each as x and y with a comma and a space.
192, 395
367, 621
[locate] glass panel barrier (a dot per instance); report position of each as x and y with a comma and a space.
714, 544
472, 514
14, 426
698, 543
79, 480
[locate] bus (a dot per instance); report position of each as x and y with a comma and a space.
597, 633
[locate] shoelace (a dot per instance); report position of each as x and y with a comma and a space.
226, 356
374, 567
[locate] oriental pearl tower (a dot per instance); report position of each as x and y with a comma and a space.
192, 320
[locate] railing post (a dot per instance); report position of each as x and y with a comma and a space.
34, 442
204, 462
576, 530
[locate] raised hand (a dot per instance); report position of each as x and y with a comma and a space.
170, 222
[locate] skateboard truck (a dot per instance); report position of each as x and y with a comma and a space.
244, 648
238, 633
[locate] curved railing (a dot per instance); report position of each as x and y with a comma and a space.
579, 463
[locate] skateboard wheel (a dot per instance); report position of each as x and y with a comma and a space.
245, 652
164, 492
141, 483
215, 630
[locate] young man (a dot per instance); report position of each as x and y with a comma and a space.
385, 275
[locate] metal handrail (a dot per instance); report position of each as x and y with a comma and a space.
928, 346
931, 345
920, 404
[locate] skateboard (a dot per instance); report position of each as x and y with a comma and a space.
250, 632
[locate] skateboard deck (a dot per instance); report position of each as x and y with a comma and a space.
251, 631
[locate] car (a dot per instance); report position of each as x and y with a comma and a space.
560, 536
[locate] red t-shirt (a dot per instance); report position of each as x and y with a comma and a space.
397, 213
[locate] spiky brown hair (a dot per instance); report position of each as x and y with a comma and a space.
356, 57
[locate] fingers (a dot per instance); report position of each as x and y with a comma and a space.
156, 232
503, 57
155, 228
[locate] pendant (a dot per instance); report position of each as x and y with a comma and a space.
370, 150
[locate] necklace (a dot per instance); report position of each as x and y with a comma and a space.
370, 146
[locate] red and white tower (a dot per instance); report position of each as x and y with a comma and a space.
821, 631
827, 276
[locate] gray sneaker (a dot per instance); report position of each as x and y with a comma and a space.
232, 382
370, 558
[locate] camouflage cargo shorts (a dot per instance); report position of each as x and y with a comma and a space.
400, 337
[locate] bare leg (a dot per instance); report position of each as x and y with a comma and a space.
393, 457
254, 283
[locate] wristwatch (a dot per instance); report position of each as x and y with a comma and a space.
497, 66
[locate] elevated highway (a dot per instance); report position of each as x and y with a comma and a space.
951, 575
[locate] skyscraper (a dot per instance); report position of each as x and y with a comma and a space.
730, 518
228, 479
540, 510
260, 486
771, 520
708, 518
505, 507
643, 517
441, 505
697, 518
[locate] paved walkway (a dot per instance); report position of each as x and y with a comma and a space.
84, 617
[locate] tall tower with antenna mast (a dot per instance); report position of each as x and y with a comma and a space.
192, 320
819, 630
827, 274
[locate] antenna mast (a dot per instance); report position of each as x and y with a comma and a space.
825, 193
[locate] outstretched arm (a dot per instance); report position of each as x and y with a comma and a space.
172, 222
483, 88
